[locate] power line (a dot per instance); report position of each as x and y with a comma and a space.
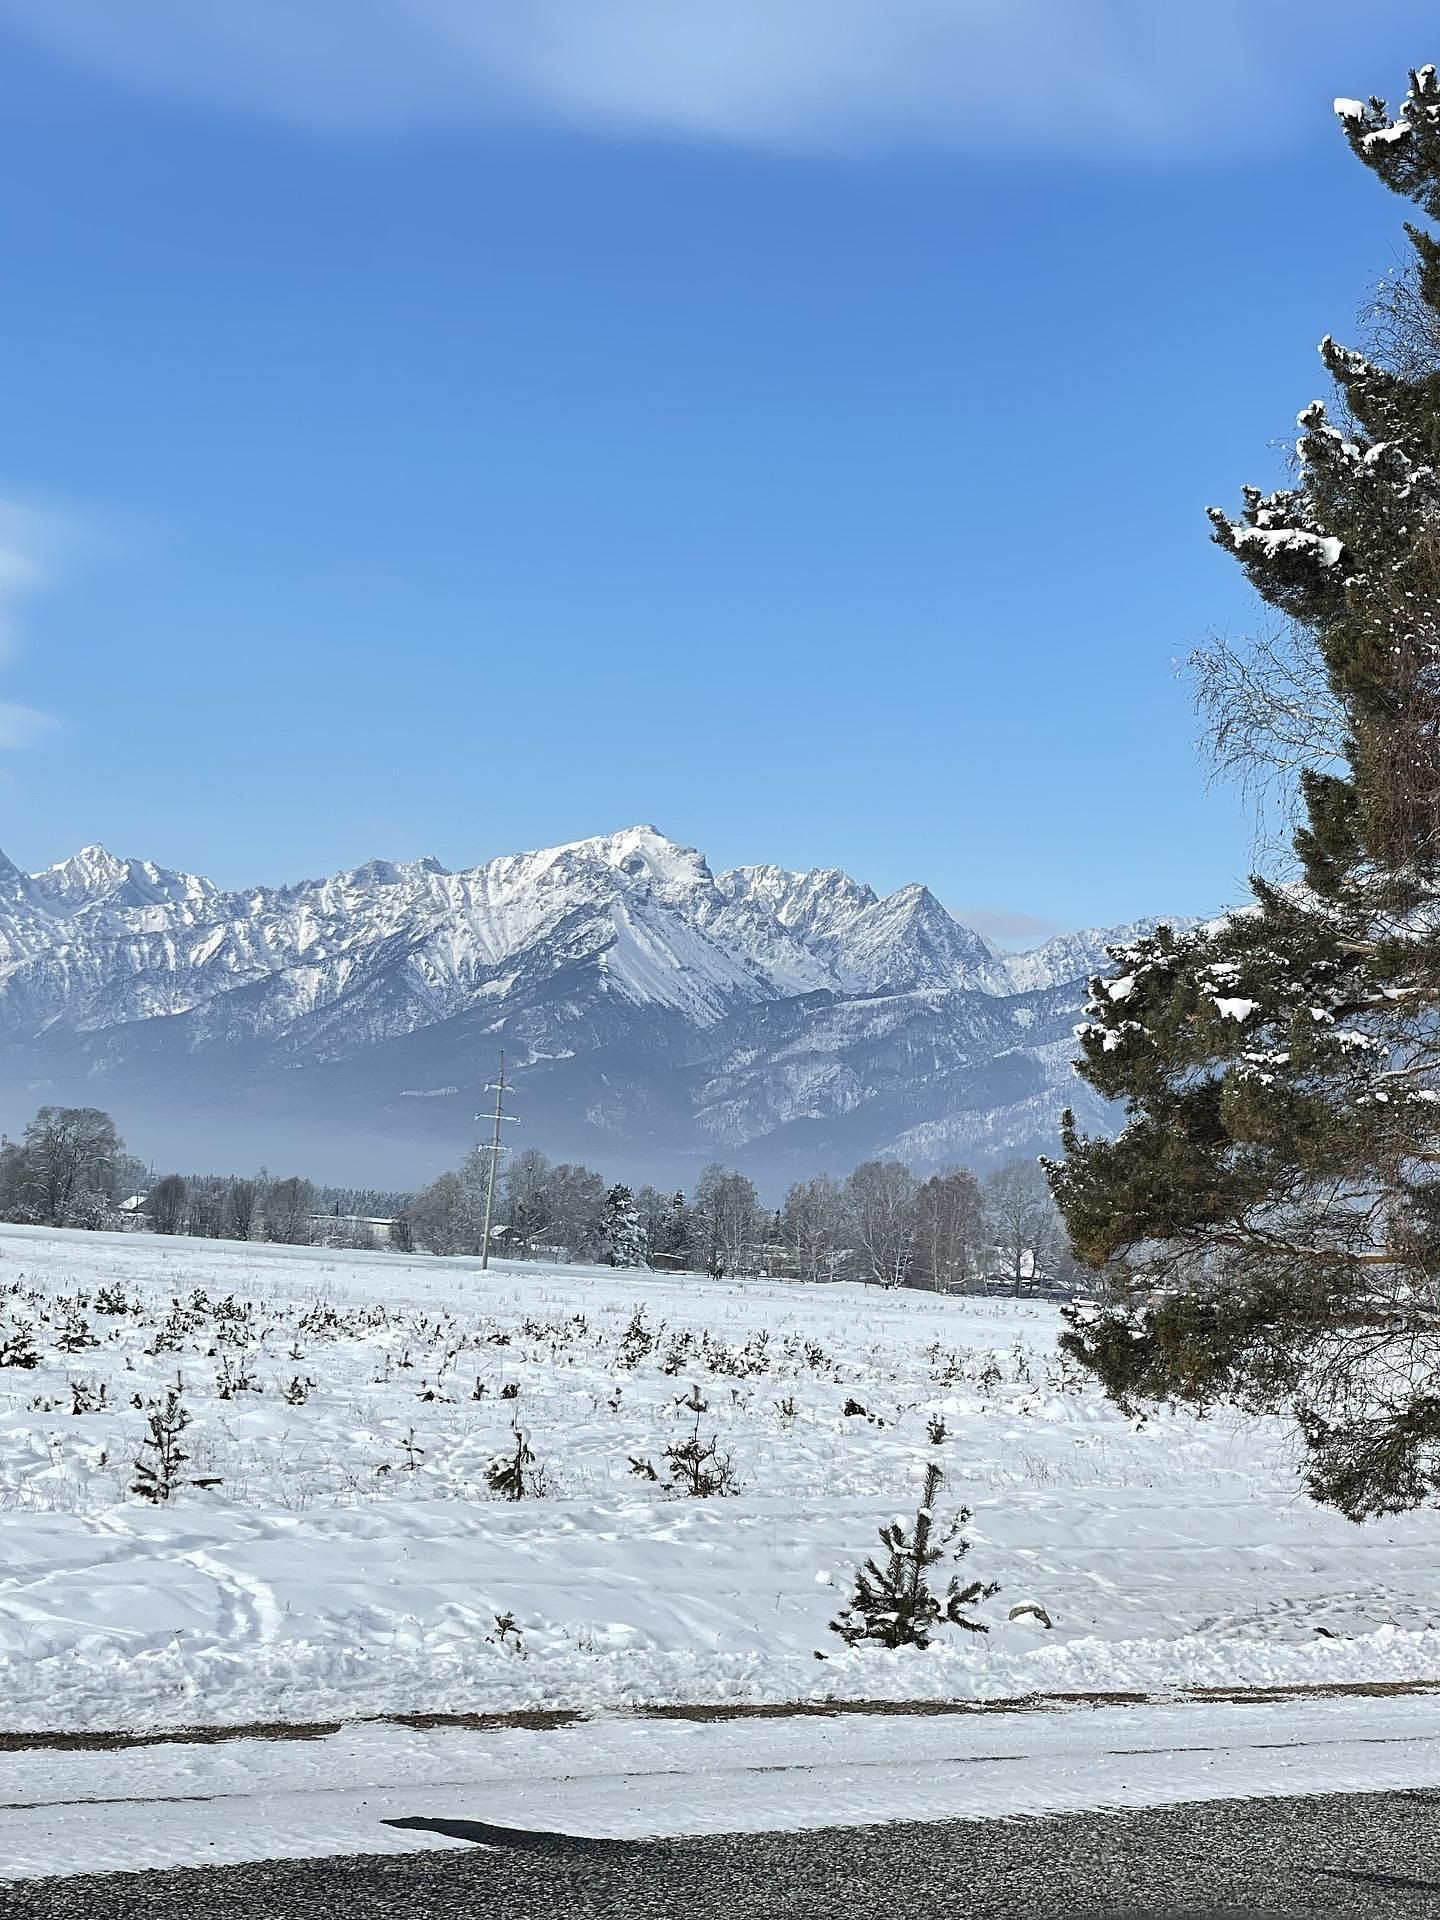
494, 1149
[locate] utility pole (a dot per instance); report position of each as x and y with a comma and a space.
495, 1149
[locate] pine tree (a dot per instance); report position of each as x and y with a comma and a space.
509, 1474
624, 1236
697, 1468
895, 1605
676, 1229
1268, 1220
157, 1467
17, 1346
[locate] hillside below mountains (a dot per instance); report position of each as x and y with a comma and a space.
654, 1015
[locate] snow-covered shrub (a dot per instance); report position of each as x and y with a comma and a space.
17, 1345
697, 1467
513, 1475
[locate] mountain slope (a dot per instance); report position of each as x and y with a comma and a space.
655, 1014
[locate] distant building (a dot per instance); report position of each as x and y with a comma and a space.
351, 1230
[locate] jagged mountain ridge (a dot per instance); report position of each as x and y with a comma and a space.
650, 1008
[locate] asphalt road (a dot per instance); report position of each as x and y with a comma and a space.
1353, 1854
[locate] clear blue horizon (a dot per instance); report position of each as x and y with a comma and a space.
433, 442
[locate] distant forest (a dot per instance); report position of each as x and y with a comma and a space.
882, 1224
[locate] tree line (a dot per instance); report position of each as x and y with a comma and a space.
884, 1224
70, 1168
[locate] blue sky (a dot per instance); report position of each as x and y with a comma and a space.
437, 427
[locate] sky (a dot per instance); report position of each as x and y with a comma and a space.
433, 426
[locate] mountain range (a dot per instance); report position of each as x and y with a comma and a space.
654, 1015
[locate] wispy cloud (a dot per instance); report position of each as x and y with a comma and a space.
32, 544
1011, 76
21, 726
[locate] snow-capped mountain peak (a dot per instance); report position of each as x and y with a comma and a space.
813, 905
908, 941
95, 878
91, 874
620, 949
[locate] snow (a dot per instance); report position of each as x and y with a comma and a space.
1273, 540
1235, 1009
1350, 109
617, 1779
1114, 1037
97, 940
328, 1577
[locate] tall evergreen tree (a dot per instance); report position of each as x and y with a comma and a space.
679, 1230
624, 1235
1269, 1218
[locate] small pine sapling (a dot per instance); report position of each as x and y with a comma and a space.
697, 1467
507, 1633
509, 1474
75, 1335
895, 1606
17, 1346
157, 1468
637, 1340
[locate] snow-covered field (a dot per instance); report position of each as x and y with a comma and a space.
351, 1559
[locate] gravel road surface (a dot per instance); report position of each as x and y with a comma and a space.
1353, 1854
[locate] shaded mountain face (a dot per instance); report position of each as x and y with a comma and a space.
654, 1015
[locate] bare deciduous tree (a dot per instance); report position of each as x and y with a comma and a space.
813, 1226
529, 1200
949, 1231
69, 1160
165, 1204
289, 1205
1267, 714
880, 1200
442, 1216
1022, 1221
577, 1201
728, 1220
242, 1200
